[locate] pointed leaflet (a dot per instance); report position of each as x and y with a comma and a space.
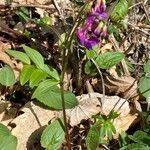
19, 55
120, 11
43, 86
36, 76
7, 76
90, 68
135, 146
53, 136
35, 56
92, 140
7, 141
51, 72
109, 59
26, 73
147, 67
50, 95
144, 87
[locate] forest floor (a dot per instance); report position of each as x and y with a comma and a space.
124, 88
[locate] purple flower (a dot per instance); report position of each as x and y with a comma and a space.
94, 28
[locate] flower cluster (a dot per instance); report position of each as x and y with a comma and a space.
94, 28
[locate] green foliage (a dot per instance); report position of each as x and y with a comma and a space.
92, 140
35, 56
23, 14
7, 140
90, 68
44, 86
120, 11
116, 32
51, 96
7, 76
53, 136
147, 67
26, 73
146, 116
104, 61
135, 146
37, 76
139, 140
101, 131
51, 72
62, 40
45, 78
140, 137
45, 21
91, 54
144, 84
123, 139
19, 56
109, 59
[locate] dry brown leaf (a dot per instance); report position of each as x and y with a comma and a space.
8, 115
33, 118
126, 86
3, 106
16, 66
93, 103
4, 46
6, 59
107, 47
123, 123
19, 27
88, 106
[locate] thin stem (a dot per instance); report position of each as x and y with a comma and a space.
65, 57
102, 79
64, 116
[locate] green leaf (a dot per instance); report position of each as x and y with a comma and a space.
36, 76
144, 87
109, 59
120, 11
147, 67
91, 54
123, 139
44, 86
35, 56
7, 140
53, 136
7, 76
51, 72
109, 134
92, 140
23, 14
26, 73
51, 96
135, 146
116, 32
103, 131
62, 40
140, 137
19, 55
90, 68
45, 21
113, 115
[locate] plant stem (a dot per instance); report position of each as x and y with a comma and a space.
65, 56
102, 79
65, 117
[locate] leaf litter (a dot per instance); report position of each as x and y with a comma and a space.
28, 129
